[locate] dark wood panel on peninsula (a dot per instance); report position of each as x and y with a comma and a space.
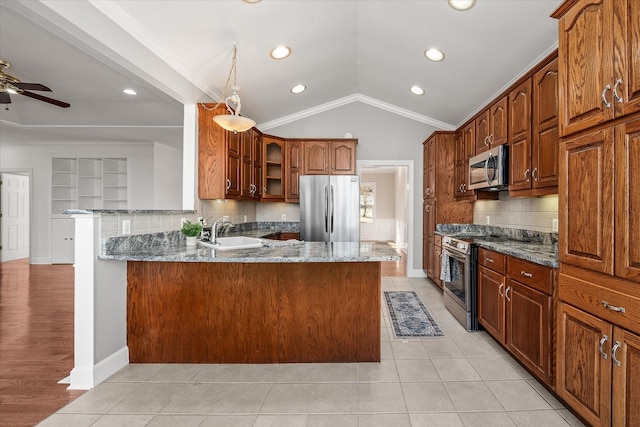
253, 313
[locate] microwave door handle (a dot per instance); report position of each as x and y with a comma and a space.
486, 170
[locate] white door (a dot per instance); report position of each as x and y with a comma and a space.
15, 217
62, 243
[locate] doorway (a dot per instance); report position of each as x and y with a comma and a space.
15, 190
389, 188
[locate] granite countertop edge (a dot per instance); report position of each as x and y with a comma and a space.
536, 252
281, 253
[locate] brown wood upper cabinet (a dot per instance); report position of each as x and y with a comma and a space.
251, 171
465, 142
219, 163
273, 171
534, 134
491, 126
599, 61
330, 157
293, 164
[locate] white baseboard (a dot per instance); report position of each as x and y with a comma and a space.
88, 376
416, 273
41, 260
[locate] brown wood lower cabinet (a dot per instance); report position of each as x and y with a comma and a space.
598, 368
517, 309
212, 312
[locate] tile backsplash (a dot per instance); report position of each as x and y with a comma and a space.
526, 213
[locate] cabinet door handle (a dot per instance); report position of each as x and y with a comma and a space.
491, 140
228, 184
602, 341
500, 290
615, 348
613, 307
526, 174
486, 141
506, 293
525, 274
464, 188
533, 174
489, 260
615, 91
604, 96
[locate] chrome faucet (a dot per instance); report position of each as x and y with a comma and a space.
214, 227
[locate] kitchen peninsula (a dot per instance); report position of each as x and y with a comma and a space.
305, 302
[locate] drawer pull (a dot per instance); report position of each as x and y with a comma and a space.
602, 341
525, 274
613, 307
489, 260
615, 348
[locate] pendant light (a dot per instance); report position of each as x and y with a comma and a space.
233, 121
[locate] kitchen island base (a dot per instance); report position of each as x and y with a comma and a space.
185, 312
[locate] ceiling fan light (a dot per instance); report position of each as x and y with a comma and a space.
462, 4
234, 123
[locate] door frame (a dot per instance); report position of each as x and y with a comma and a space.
409, 164
28, 172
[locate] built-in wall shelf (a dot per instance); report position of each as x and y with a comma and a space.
88, 183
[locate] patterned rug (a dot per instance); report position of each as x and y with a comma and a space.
409, 316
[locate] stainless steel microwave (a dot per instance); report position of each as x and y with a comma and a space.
490, 170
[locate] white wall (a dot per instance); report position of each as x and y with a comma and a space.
527, 213
384, 220
37, 157
381, 136
401, 214
167, 177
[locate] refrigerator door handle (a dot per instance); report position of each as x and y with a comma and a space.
326, 209
332, 206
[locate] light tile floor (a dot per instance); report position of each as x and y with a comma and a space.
461, 379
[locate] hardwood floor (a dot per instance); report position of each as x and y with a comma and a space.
36, 341
395, 268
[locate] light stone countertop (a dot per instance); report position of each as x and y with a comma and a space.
303, 252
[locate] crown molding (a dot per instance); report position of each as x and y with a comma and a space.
357, 97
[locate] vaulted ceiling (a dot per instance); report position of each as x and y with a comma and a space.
175, 52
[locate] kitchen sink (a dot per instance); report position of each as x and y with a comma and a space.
236, 242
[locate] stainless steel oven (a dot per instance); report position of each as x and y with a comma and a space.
460, 280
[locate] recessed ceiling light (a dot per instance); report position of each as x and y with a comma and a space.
416, 90
462, 4
298, 88
130, 91
251, 1
434, 54
280, 52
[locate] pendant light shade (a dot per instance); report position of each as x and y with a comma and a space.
233, 121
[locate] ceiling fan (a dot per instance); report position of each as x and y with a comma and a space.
11, 85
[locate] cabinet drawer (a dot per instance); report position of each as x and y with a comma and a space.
528, 273
492, 260
598, 295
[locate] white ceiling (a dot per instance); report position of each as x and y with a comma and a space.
174, 52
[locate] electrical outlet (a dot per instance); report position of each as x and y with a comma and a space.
245, 218
554, 224
487, 220
284, 217
126, 226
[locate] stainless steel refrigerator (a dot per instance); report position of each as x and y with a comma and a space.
330, 208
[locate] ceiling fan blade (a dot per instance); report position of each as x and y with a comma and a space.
32, 86
45, 99
5, 98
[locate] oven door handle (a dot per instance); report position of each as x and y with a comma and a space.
458, 256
